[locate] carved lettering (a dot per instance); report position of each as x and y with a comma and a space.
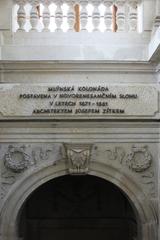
79, 101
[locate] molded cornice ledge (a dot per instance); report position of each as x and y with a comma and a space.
77, 66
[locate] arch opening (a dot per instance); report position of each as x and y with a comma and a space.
70, 207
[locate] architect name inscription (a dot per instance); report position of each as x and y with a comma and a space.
75, 101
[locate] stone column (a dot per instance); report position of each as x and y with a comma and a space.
46, 16
83, 15
59, 16
121, 18
108, 15
71, 15
96, 15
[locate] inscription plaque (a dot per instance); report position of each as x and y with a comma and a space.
59, 101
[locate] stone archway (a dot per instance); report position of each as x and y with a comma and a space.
20, 192
81, 206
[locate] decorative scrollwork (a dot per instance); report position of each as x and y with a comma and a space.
139, 159
117, 153
16, 159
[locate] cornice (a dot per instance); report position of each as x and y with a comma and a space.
77, 66
106, 131
51, 125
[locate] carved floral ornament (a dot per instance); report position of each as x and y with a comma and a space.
139, 159
16, 159
78, 156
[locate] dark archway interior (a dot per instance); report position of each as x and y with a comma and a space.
77, 207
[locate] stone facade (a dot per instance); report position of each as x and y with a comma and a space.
127, 160
119, 145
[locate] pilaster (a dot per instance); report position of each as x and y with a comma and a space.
6, 15
146, 11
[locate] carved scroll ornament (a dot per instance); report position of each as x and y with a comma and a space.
118, 153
